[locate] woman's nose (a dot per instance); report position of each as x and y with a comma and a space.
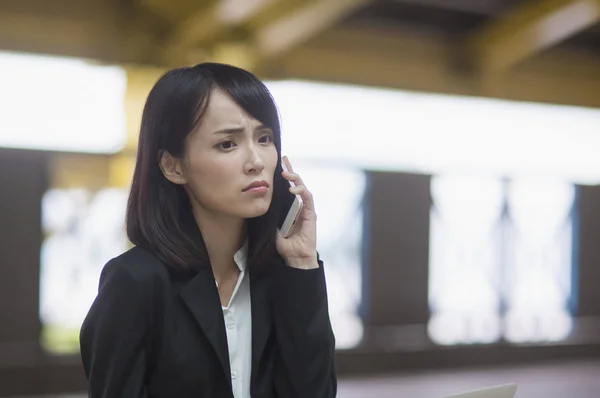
255, 163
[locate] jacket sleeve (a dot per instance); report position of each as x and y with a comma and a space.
113, 335
306, 345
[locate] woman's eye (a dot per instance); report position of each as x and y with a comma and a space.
226, 145
266, 139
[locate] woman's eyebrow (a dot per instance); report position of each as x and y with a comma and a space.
232, 130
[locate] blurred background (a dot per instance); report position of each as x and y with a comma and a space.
451, 146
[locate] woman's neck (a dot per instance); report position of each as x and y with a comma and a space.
223, 237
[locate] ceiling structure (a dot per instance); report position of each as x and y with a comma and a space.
526, 50
273, 37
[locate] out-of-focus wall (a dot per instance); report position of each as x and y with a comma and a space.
425, 62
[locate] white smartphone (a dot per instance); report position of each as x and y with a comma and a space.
292, 206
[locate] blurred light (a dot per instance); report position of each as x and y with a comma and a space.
236, 11
568, 21
427, 133
63, 104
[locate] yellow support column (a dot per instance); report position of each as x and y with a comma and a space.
139, 83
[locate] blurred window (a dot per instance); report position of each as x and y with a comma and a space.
500, 260
61, 104
82, 231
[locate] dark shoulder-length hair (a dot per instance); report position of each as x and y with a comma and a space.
159, 216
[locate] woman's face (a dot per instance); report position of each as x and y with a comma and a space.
229, 162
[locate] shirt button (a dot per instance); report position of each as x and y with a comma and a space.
233, 374
230, 324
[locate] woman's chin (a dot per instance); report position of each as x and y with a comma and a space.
255, 211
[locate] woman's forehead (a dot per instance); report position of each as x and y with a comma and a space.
223, 112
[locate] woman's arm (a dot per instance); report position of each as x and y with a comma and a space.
113, 335
306, 344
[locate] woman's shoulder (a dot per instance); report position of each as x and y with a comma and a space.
138, 264
130, 286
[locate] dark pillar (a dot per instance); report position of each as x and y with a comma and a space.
397, 250
23, 181
588, 286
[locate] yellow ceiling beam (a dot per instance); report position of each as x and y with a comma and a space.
281, 35
273, 28
61, 35
194, 37
173, 11
528, 29
208, 23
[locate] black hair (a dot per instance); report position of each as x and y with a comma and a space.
159, 216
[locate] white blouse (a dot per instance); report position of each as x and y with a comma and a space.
238, 325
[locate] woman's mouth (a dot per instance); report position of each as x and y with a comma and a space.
257, 187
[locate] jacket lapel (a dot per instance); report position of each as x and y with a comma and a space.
260, 286
201, 296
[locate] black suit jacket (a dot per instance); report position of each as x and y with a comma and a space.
156, 332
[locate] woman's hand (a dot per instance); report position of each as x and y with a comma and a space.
299, 250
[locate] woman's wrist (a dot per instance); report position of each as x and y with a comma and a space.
302, 262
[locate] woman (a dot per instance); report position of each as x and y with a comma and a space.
212, 301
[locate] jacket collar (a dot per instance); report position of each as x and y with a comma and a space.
201, 296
